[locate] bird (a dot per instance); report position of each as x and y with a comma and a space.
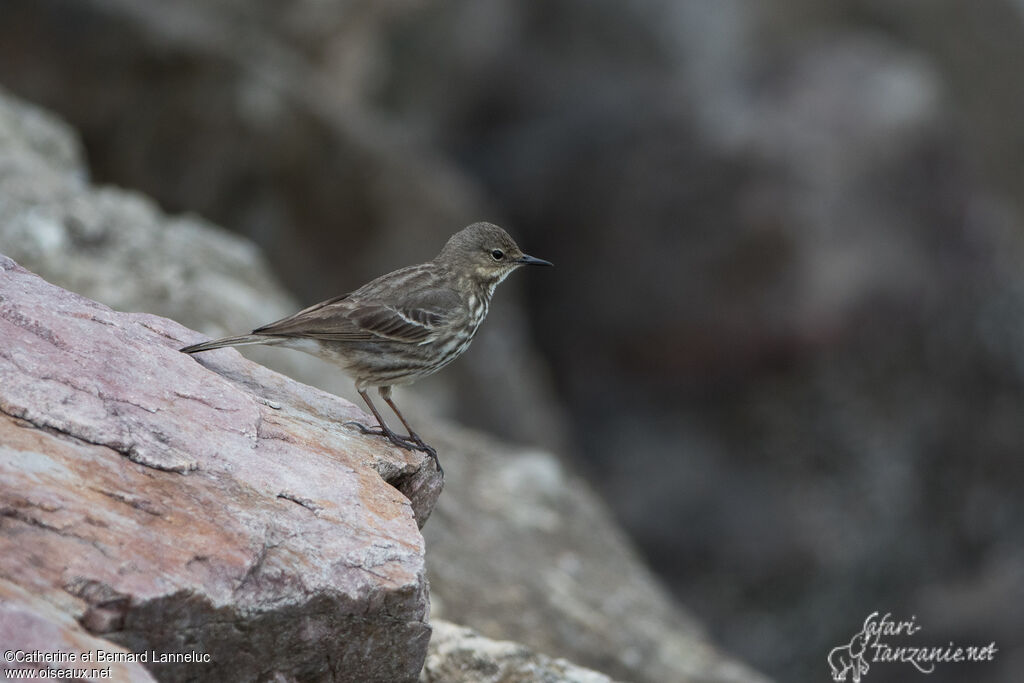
402, 326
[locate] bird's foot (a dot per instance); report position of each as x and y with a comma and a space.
410, 443
429, 450
376, 431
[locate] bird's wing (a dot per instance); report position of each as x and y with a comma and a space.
412, 320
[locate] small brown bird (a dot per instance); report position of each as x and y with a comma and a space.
402, 326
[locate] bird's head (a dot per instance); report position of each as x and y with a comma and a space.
486, 254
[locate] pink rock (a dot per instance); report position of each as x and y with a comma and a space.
211, 507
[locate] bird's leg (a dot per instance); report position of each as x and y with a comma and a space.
383, 429
415, 444
385, 393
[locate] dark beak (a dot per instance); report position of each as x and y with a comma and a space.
527, 260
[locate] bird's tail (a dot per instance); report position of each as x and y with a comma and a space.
241, 340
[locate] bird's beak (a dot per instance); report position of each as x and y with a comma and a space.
528, 260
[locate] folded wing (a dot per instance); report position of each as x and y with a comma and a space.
346, 318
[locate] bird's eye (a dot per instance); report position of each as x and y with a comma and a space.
497, 254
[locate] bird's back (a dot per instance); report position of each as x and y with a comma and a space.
395, 329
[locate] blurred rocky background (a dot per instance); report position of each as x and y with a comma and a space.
785, 332
523, 552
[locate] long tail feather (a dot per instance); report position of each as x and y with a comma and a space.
241, 340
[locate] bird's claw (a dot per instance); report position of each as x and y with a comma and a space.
410, 443
429, 450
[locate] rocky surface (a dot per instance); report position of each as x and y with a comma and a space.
279, 84
117, 247
182, 497
521, 549
280, 147
569, 584
380, 203
788, 317
461, 655
173, 504
814, 208
31, 628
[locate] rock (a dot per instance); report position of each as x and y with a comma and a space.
117, 247
522, 550
174, 504
461, 655
813, 220
224, 512
31, 628
256, 112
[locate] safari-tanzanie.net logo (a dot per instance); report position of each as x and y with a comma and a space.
885, 640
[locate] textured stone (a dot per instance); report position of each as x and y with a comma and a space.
259, 117
119, 248
461, 655
174, 505
254, 110
32, 628
522, 550
531, 555
800, 387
